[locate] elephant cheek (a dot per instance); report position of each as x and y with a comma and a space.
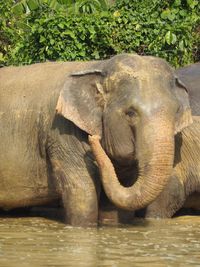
121, 150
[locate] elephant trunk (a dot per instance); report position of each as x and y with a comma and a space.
155, 143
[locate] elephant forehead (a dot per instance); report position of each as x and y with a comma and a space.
138, 80
147, 93
141, 70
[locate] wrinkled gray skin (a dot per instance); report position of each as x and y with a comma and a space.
182, 190
46, 157
190, 76
184, 186
145, 118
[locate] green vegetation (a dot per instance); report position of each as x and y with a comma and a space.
7, 29
62, 6
165, 28
39, 30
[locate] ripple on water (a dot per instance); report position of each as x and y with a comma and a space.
41, 242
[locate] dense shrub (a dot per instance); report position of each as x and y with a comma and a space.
57, 37
167, 28
8, 32
162, 28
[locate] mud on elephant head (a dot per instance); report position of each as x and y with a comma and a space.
136, 105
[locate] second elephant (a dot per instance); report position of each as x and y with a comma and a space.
190, 75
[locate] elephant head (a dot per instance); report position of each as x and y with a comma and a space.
137, 105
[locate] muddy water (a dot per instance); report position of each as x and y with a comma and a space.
42, 242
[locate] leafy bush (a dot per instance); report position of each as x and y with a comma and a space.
7, 29
161, 28
168, 28
63, 6
65, 38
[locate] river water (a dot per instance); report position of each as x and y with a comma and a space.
37, 241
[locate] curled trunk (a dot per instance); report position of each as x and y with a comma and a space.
155, 143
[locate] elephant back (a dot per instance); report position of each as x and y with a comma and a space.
190, 75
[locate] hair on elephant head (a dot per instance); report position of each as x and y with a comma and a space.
136, 104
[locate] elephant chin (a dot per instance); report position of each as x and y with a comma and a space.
155, 166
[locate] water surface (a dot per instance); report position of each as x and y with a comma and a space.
35, 241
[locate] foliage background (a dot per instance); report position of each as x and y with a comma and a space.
36, 31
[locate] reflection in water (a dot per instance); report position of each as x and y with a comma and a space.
41, 242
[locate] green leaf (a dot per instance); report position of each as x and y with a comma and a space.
177, 3
61, 25
40, 29
181, 45
96, 55
32, 4
174, 38
79, 46
192, 3
183, 13
52, 41
42, 39
70, 33
19, 8
137, 27
171, 16
170, 38
165, 14
54, 4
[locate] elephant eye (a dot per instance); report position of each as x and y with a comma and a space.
131, 112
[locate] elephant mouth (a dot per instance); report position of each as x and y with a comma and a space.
127, 174
123, 161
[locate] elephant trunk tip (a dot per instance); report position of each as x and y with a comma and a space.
93, 139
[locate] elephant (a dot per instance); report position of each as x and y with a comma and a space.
184, 186
48, 110
44, 157
190, 76
184, 179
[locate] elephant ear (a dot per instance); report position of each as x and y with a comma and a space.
80, 100
184, 115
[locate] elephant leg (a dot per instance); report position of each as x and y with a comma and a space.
79, 192
109, 214
169, 201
